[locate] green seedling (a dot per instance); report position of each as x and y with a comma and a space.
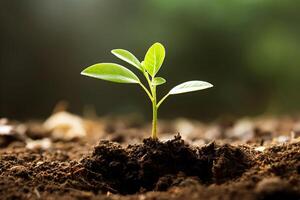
153, 61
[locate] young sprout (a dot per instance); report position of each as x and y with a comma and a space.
153, 61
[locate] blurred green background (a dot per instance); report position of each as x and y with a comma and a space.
249, 49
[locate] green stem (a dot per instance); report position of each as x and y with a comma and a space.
154, 114
162, 100
148, 79
154, 104
146, 90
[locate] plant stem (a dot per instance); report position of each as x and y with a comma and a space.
162, 100
154, 112
146, 90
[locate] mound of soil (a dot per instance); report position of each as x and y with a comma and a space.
156, 165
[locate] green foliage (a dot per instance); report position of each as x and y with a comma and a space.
150, 66
154, 58
127, 57
190, 86
158, 81
111, 72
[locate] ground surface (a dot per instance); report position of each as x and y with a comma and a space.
68, 157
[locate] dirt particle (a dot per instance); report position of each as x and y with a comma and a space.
20, 171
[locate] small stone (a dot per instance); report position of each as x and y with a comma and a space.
64, 125
260, 149
39, 144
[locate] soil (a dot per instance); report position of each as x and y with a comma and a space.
113, 161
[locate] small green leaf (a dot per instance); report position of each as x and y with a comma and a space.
158, 81
127, 57
154, 58
190, 86
111, 72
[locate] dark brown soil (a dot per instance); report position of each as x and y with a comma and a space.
157, 166
152, 169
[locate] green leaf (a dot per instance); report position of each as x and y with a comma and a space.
190, 86
158, 81
127, 57
154, 58
111, 72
